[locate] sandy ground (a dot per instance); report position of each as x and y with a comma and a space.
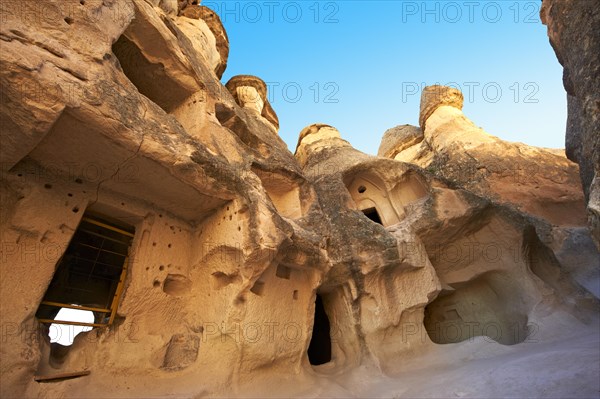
483, 369
561, 361
557, 365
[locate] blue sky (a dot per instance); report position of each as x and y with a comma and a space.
360, 65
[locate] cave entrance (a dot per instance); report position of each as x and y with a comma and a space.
489, 305
91, 273
373, 215
319, 350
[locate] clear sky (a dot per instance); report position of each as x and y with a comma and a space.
360, 65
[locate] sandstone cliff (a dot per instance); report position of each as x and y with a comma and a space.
538, 181
243, 269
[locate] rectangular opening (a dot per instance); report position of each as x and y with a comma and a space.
319, 349
283, 272
372, 214
91, 273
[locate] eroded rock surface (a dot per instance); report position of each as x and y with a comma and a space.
574, 33
535, 180
240, 265
494, 263
398, 139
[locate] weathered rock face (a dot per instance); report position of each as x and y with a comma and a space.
251, 92
537, 181
574, 32
239, 265
115, 111
490, 259
437, 96
398, 139
205, 17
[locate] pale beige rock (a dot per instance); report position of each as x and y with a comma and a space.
316, 138
181, 352
193, 11
126, 142
202, 39
494, 265
251, 92
538, 181
249, 98
170, 7
398, 139
242, 252
437, 96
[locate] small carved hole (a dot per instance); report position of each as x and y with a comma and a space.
283, 272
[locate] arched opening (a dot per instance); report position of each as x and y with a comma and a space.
319, 349
373, 215
490, 305
372, 198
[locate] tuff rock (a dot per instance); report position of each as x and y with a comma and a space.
252, 271
574, 33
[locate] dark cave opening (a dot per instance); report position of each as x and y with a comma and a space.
372, 214
319, 350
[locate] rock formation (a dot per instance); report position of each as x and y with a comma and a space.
574, 32
139, 187
540, 182
251, 92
